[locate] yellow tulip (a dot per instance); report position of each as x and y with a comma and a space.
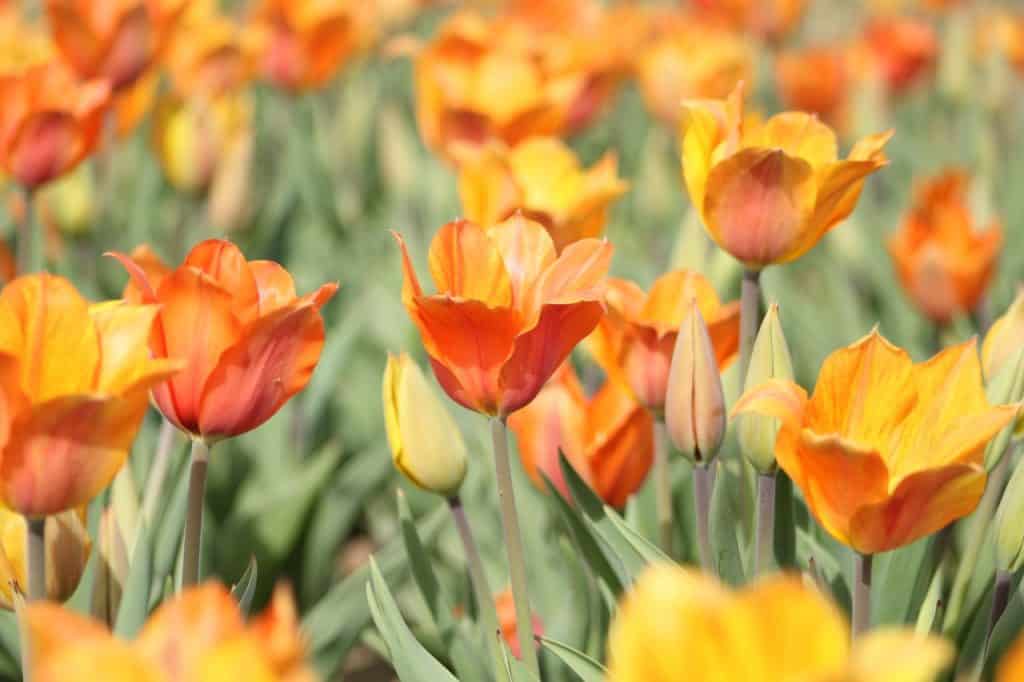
67, 551
768, 192
425, 442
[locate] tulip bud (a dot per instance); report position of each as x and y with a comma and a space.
67, 551
112, 569
425, 442
1010, 525
1004, 338
769, 359
694, 402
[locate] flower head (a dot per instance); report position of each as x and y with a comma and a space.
816, 80
885, 451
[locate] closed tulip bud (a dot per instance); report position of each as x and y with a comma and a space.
694, 403
1010, 525
1004, 338
769, 360
67, 551
425, 442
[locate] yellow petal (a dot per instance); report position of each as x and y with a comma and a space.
800, 135
700, 133
896, 655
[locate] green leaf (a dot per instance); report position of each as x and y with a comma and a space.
169, 532
638, 542
514, 669
901, 581
724, 523
243, 590
584, 666
134, 608
411, 661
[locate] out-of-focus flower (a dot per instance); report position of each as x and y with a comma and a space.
542, 178
1011, 33
608, 437
508, 311
68, 203
816, 80
211, 54
67, 551
943, 262
776, 630
504, 603
635, 340
769, 360
768, 192
690, 59
769, 19
885, 451
115, 40
249, 343
1004, 338
1011, 668
49, 121
900, 50
74, 384
694, 400
199, 635
425, 441
304, 42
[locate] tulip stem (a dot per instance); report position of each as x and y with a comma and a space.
750, 317
861, 617
764, 554
663, 486
478, 580
36, 556
194, 515
30, 243
703, 482
158, 470
514, 546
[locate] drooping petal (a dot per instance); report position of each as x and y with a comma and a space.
466, 264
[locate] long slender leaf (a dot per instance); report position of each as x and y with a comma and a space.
584, 666
132, 612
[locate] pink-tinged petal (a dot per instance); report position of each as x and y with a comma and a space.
646, 360
579, 274
224, 263
273, 360
274, 283
540, 351
466, 264
42, 147
527, 251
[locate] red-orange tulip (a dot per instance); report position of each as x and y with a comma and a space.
607, 437
634, 342
943, 262
901, 49
248, 341
116, 40
74, 380
508, 310
815, 80
49, 121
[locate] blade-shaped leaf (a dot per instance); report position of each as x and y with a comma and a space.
243, 590
584, 666
131, 614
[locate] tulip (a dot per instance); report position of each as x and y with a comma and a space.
608, 438
305, 41
116, 44
507, 622
943, 262
49, 122
249, 343
770, 19
635, 341
768, 192
426, 444
199, 635
816, 80
75, 392
67, 551
901, 50
217, 57
885, 451
542, 178
679, 624
508, 309
1004, 339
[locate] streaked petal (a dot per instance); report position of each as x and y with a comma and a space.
274, 283
800, 135
527, 251
466, 264
224, 263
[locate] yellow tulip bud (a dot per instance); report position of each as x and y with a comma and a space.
69, 202
425, 442
694, 402
769, 359
1010, 524
111, 570
1004, 338
67, 551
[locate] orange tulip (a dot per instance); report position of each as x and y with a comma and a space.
608, 437
542, 178
305, 41
199, 635
944, 264
885, 451
49, 121
815, 80
770, 19
116, 40
248, 342
901, 50
634, 342
505, 606
74, 385
508, 309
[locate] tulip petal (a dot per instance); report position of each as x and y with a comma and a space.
272, 360
51, 628
274, 283
620, 443
922, 504
105, 659
777, 398
670, 296
579, 273
700, 132
326, 45
466, 264
527, 251
724, 330
757, 204
487, 189
800, 135
76, 41
899, 655
224, 263
126, 365
146, 271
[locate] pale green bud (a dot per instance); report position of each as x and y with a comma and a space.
769, 359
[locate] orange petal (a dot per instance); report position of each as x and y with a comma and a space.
466, 264
109, 660
153, 268
671, 293
620, 445
78, 44
272, 360
700, 132
840, 189
527, 252
225, 264
51, 628
487, 189
757, 204
274, 283
42, 148
724, 330
800, 135
579, 273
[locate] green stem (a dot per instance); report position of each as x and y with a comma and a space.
1000, 600
478, 580
703, 482
514, 546
764, 554
194, 514
36, 557
30, 239
750, 317
662, 486
861, 617
158, 470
